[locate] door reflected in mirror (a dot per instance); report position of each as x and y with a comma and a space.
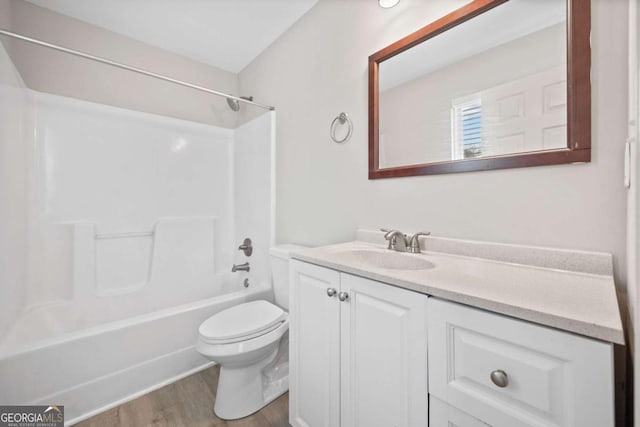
479, 88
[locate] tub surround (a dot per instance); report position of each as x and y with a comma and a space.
568, 290
134, 225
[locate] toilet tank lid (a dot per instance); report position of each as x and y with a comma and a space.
285, 250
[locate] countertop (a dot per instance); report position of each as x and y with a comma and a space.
580, 302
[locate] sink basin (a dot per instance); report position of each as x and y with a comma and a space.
390, 260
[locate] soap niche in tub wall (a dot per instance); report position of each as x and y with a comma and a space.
175, 250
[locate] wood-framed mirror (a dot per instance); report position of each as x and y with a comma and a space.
495, 84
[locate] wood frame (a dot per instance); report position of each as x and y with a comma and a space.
578, 148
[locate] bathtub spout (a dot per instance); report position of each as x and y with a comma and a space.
241, 267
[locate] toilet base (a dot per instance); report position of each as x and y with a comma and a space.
244, 391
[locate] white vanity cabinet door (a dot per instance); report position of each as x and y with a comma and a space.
384, 355
443, 415
314, 346
554, 378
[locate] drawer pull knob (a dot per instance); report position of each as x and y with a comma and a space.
343, 296
331, 292
500, 378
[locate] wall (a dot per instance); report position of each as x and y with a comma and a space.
59, 73
319, 68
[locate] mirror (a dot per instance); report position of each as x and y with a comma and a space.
495, 84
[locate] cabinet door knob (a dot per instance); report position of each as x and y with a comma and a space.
331, 292
343, 296
500, 378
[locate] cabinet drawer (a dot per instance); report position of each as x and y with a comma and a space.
444, 415
541, 376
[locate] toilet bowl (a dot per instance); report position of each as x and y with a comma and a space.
250, 342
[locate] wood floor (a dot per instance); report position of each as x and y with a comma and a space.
189, 403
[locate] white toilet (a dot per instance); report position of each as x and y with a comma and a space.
250, 342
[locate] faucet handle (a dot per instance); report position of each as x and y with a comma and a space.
388, 236
246, 247
397, 240
414, 243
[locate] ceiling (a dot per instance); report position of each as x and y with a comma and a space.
227, 34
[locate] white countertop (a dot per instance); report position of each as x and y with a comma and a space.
574, 301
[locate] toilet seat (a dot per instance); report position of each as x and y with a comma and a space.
209, 340
223, 351
242, 322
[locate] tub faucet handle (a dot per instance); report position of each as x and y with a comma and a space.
246, 247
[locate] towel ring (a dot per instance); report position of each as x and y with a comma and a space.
342, 118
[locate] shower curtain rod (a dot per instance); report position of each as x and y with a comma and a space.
127, 67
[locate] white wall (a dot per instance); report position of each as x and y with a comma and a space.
59, 73
319, 68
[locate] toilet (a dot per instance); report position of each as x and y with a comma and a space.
250, 342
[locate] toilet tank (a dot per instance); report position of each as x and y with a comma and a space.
280, 256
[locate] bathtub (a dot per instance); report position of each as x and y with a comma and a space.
94, 369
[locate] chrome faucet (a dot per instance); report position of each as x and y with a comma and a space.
240, 267
397, 240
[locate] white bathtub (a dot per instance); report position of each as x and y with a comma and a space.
94, 369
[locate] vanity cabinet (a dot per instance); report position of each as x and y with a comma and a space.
358, 351
511, 373
366, 353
